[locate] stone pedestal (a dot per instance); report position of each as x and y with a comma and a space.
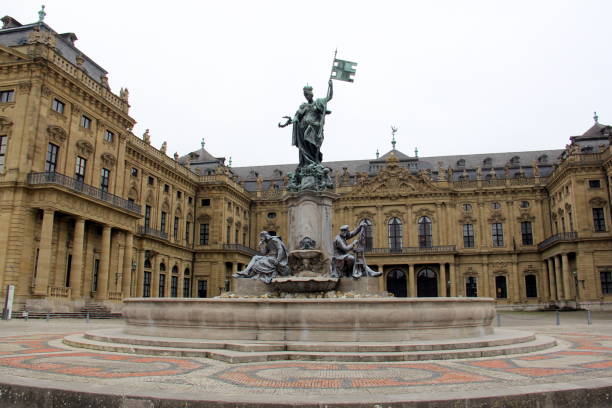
310, 215
363, 286
251, 287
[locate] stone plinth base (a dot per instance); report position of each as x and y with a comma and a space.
251, 287
310, 216
364, 286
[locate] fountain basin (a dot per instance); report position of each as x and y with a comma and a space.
321, 320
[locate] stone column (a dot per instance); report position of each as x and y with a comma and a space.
516, 281
140, 273
411, 281
181, 281
566, 277
44, 254
485, 281
155, 277
102, 290
437, 238
543, 285
119, 269
551, 279
442, 281
76, 269
558, 277
453, 280
126, 281
552, 291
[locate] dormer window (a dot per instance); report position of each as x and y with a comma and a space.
461, 163
488, 162
515, 161
543, 159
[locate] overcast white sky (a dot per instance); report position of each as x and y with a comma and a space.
456, 77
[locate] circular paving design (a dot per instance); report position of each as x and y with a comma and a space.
38, 358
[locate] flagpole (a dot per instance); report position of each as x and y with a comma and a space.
325, 106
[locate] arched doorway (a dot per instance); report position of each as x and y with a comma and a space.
427, 283
397, 283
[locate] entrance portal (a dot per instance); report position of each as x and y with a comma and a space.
396, 283
427, 283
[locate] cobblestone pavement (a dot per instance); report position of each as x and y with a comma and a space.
34, 350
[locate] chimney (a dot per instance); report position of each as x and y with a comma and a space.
69, 37
10, 22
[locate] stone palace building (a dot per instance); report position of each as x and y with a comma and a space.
91, 213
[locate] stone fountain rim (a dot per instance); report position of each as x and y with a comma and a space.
315, 300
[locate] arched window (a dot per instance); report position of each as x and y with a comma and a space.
187, 272
147, 264
395, 234
175, 269
531, 286
501, 290
368, 233
427, 283
162, 267
425, 240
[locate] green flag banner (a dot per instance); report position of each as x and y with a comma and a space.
343, 70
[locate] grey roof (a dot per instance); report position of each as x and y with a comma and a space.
16, 36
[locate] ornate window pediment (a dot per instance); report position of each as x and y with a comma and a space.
423, 212
496, 216
394, 214
597, 202
84, 147
204, 218
467, 219
365, 215
526, 216
108, 160
57, 134
5, 124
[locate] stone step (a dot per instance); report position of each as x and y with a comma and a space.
500, 338
235, 356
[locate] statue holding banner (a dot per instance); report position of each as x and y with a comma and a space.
308, 123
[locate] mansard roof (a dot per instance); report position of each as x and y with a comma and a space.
15, 34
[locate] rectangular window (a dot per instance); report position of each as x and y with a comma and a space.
162, 285
190, 200
187, 228
104, 179
7, 96
146, 287
176, 228
497, 230
174, 286
606, 282
594, 184
202, 288
68, 268
151, 181
85, 122
166, 188
205, 202
162, 224
147, 217
109, 136
134, 172
94, 280
79, 171
3, 140
526, 233
51, 160
187, 287
599, 222
468, 235
58, 106
179, 195
203, 234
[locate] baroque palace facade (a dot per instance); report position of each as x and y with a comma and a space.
91, 213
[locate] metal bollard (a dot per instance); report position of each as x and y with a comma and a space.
498, 320
589, 319
558, 315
